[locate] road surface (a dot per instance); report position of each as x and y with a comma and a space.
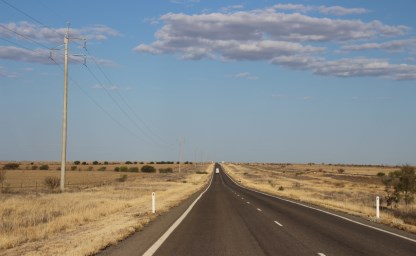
230, 220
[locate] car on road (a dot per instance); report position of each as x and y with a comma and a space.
217, 170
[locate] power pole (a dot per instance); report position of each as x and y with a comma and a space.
64, 120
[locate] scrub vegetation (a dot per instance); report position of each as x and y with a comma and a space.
352, 190
106, 207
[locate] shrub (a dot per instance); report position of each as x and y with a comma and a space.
124, 169
281, 188
135, 162
34, 167
2, 176
117, 169
44, 167
128, 162
11, 166
381, 174
141, 162
166, 170
103, 168
77, 162
134, 169
148, 168
341, 171
122, 178
105, 162
52, 182
95, 163
73, 168
84, 163
90, 168
201, 172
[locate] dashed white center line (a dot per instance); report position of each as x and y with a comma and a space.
321, 254
280, 225
248, 202
242, 198
258, 209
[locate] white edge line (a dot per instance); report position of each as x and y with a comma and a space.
330, 213
321, 254
163, 238
258, 209
278, 223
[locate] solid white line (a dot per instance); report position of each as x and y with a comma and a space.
163, 238
278, 223
323, 211
321, 254
258, 209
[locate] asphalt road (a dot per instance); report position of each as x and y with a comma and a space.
230, 220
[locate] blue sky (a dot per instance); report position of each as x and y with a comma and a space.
254, 81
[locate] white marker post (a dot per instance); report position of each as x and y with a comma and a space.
377, 207
153, 202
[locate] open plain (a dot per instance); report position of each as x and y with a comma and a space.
99, 210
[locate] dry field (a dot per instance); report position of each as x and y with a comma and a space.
87, 218
353, 191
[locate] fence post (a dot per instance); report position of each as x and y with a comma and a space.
377, 207
153, 202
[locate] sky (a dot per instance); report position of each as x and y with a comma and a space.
198, 80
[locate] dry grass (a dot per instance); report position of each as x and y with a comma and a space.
82, 221
353, 191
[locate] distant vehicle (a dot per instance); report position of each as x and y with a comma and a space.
217, 170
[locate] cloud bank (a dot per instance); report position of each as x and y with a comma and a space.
284, 35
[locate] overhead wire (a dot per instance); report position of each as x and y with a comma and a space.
152, 135
149, 133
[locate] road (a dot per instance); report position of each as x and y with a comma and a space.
230, 220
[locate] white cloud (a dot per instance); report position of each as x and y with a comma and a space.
292, 40
246, 75
231, 8
55, 35
334, 10
394, 45
6, 73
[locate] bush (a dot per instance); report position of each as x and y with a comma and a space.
201, 172
166, 170
2, 176
122, 178
34, 167
103, 168
117, 169
73, 168
77, 162
52, 182
90, 168
128, 162
11, 166
141, 162
95, 163
124, 169
281, 188
381, 174
341, 171
105, 162
84, 163
148, 168
44, 167
134, 169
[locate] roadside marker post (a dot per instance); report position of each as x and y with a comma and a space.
153, 202
377, 207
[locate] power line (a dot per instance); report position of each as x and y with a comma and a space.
149, 133
30, 17
25, 37
95, 102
